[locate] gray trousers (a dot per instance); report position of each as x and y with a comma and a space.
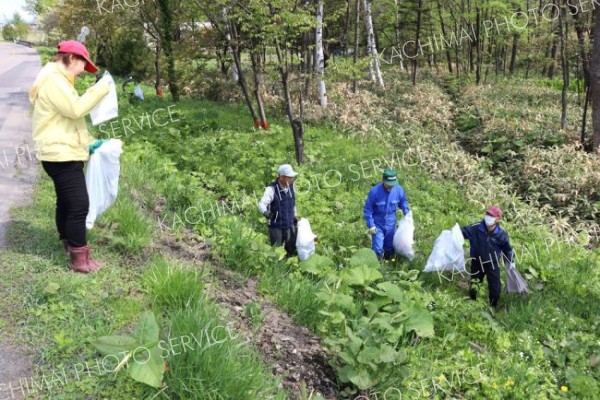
286, 237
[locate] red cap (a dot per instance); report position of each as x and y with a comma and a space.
74, 47
494, 211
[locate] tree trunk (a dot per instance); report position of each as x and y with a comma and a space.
513, 54
553, 49
374, 68
356, 43
157, 83
296, 124
565, 66
320, 60
415, 62
241, 78
257, 74
448, 55
478, 44
398, 30
167, 11
234, 69
595, 82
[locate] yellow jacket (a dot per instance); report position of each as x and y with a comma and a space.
59, 129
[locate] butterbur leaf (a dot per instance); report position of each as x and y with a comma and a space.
364, 257
317, 265
114, 345
391, 290
387, 354
147, 329
346, 373
147, 366
361, 276
420, 321
362, 380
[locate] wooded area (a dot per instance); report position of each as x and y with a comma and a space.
290, 42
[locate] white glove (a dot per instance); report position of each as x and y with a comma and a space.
373, 230
512, 266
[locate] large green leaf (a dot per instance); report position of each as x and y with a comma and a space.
317, 265
364, 257
147, 366
362, 379
115, 345
147, 329
388, 289
420, 321
361, 276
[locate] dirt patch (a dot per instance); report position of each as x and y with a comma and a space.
15, 366
295, 353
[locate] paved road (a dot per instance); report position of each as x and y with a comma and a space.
18, 168
19, 66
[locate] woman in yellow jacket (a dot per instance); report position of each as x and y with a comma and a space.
62, 143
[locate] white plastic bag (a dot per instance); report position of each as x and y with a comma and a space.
404, 238
108, 108
138, 92
305, 240
515, 283
447, 253
102, 179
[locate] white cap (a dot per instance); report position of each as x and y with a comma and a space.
286, 170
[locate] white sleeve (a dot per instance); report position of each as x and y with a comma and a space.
267, 198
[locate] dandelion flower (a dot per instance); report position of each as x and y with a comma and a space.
510, 382
442, 377
564, 389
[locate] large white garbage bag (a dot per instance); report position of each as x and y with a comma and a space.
102, 179
108, 108
447, 253
305, 240
404, 238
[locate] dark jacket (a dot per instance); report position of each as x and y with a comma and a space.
282, 206
488, 248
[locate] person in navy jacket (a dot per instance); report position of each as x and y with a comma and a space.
489, 244
380, 208
278, 205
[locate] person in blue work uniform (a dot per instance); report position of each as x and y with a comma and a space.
278, 205
380, 208
489, 244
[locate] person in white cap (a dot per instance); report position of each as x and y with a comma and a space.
278, 205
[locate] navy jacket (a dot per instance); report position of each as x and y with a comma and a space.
488, 248
282, 207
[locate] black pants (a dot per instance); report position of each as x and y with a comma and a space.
285, 236
72, 202
492, 271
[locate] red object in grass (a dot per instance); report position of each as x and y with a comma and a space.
159, 92
256, 123
265, 125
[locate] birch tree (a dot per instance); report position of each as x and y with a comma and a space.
320, 56
374, 67
595, 81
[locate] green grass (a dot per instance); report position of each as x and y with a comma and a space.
58, 313
208, 159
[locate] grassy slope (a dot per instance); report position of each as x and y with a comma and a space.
538, 345
541, 343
